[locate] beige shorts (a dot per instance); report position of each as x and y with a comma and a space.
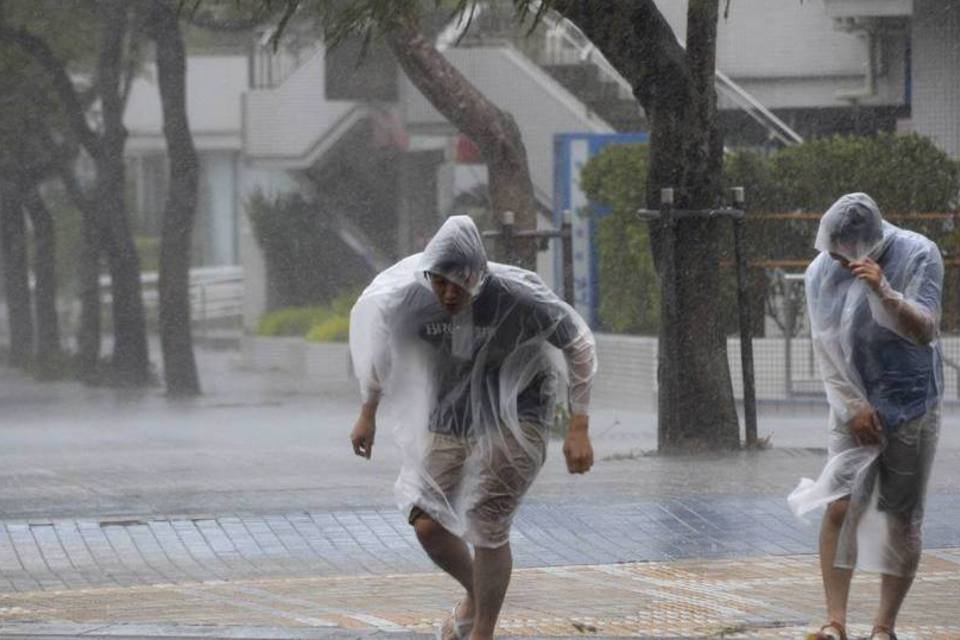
505, 470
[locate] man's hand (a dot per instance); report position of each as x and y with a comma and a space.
364, 431
868, 271
576, 448
866, 427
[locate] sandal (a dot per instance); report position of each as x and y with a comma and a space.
840, 632
882, 632
460, 628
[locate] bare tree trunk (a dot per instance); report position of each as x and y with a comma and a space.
494, 131
16, 272
114, 237
130, 355
45, 292
179, 364
676, 89
87, 358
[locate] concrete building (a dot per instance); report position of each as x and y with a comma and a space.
386, 167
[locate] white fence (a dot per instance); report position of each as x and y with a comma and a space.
216, 294
628, 371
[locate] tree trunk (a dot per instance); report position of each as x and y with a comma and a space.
130, 355
179, 364
87, 359
113, 235
16, 272
45, 292
130, 361
494, 131
675, 87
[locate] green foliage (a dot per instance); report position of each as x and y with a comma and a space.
325, 323
902, 173
306, 261
148, 248
629, 289
292, 321
333, 329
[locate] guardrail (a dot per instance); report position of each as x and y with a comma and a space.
216, 294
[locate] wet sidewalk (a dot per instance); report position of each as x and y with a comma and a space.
244, 515
743, 597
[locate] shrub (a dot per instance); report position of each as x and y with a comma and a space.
326, 323
629, 291
307, 263
292, 321
333, 329
902, 173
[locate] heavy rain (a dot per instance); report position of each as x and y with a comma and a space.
479, 318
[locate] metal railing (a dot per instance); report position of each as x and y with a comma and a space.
216, 294
557, 41
270, 67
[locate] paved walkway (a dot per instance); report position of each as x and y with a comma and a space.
243, 515
696, 567
751, 597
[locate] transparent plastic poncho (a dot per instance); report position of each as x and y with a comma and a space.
485, 381
871, 360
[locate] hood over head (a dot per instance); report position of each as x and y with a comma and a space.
456, 252
852, 227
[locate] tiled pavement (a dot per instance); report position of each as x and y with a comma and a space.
691, 567
750, 597
88, 553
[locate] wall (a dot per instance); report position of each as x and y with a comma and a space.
289, 124
936, 60
537, 102
217, 224
788, 54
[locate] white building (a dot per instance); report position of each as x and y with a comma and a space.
385, 164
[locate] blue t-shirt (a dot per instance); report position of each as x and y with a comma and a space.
901, 378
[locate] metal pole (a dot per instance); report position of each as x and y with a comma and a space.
508, 239
566, 244
746, 333
668, 358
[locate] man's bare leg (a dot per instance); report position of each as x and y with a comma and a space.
451, 554
836, 582
491, 575
893, 589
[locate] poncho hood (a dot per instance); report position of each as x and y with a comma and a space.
456, 252
853, 228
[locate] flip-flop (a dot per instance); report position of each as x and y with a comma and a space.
822, 635
878, 630
461, 628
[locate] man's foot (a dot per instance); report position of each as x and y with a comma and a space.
881, 632
829, 631
459, 624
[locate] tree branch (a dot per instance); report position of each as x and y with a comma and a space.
110, 70
73, 103
638, 41
445, 87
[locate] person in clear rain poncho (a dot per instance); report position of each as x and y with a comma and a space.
459, 357
874, 296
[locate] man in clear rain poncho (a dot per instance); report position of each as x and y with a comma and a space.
873, 296
460, 358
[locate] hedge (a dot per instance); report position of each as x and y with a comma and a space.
902, 173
